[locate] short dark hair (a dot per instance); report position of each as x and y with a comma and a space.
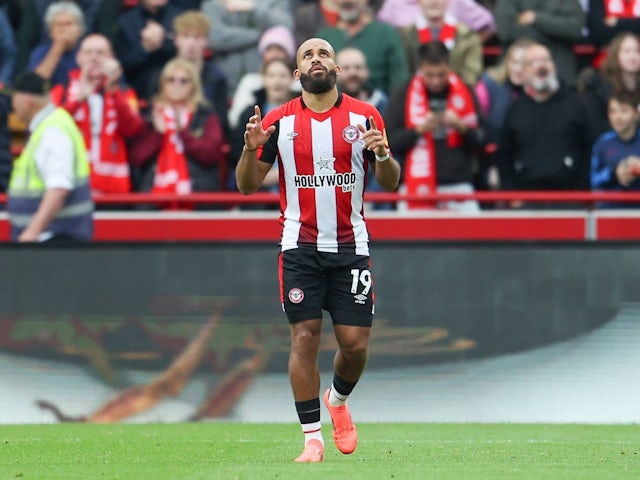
627, 97
433, 53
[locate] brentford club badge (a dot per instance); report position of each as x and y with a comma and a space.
296, 295
351, 134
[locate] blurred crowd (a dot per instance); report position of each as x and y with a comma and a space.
476, 95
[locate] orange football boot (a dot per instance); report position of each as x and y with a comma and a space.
345, 435
313, 452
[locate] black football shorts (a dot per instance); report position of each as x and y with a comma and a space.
340, 283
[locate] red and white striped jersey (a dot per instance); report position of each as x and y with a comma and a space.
323, 168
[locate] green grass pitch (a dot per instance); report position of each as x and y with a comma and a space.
220, 450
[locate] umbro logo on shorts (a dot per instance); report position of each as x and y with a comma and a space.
360, 298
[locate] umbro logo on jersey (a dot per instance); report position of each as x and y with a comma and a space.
292, 135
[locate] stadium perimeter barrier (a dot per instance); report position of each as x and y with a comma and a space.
450, 287
178, 221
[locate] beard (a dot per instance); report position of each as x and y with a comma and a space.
318, 85
351, 87
544, 84
350, 14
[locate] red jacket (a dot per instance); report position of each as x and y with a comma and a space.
110, 171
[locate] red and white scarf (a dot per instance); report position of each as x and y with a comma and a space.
420, 170
622, 8
109, 163
172, 172
447, 34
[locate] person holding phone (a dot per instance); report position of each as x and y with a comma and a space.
433, 123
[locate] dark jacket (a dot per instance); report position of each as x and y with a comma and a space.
558, 25
500, 97
599, 32
31, 31
308, 21
596, 93
453, 165
546, 145
214, 87
236, 137
204, 147
141, 67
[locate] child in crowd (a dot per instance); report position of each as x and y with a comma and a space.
615, 161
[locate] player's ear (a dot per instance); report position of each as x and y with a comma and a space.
338, 70
296, 74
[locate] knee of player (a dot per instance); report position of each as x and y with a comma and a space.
305, 339
355, 348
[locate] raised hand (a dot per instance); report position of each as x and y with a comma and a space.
255, 135
373, 138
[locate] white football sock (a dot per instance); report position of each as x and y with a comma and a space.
336, 399
312, 431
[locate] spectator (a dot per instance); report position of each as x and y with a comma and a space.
312, 17
495, 91
56, 57
106, 113
354, 81
143, 43
49, 198
608, 18
6, 162
108, 12
432, 23
8, 50
620, 71
354, 78
278, 88
374, 4
380, 43
191, 38
237, 26
107, 15
403, 13
557, 25
475, 16
181, 148
433, 123
14, 10
185, 5
275, 43
32, 28
546, 133
488, 4
615, 159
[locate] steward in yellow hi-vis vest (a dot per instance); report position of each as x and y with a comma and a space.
49, 197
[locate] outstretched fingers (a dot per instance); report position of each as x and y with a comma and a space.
372, 137
255, 135
372, 123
